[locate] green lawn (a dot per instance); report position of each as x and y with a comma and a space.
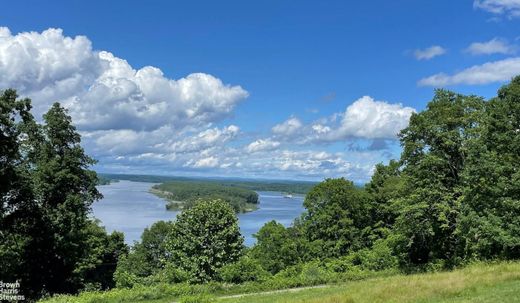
480, 283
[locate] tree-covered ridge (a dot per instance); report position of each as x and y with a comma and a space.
286, 186
185, 194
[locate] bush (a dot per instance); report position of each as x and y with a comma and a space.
312, 274
172, 274
244, 270
379, 257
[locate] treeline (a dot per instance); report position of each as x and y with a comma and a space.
185, 194
48, 242
295, 187
453, 196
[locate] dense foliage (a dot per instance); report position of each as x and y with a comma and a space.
204, 238
146, 259
193, 248
452, 197
47, 240
185, 194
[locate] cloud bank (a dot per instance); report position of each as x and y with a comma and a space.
103, 91
141, 121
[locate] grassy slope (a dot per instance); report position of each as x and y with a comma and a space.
478, 283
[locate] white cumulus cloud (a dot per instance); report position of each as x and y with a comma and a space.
365, 118
493, 46
288, 127
103, 91
368, 118
262, 145
490, 72
429, 53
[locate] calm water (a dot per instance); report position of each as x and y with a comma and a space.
128, 207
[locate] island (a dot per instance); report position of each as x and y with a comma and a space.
185, 194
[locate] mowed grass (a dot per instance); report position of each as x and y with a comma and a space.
476, 283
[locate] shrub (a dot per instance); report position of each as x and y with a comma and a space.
312, 273
379, 257
244, 270
172, 274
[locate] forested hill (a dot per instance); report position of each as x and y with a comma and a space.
185, 194
286, 186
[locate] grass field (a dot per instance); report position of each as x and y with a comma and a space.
477, 283
481, 282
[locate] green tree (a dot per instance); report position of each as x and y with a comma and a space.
385, 186
337, 216
490, 223
46, 237
17, 204
434, 152
204, 238
276, 248
64, 188
97, 267
147, 257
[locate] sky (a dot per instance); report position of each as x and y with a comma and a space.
301, 90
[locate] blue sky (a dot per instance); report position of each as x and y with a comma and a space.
278, 89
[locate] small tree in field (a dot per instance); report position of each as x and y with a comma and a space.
205, 238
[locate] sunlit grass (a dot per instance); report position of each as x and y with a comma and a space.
477, 283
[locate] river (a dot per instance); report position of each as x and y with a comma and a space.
128, 207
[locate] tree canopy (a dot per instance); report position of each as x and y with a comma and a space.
47, 239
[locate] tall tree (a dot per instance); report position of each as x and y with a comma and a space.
205, 238
64, 188
17, 205
47, 240
491, 196
337, 214
385, 186
434, 151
